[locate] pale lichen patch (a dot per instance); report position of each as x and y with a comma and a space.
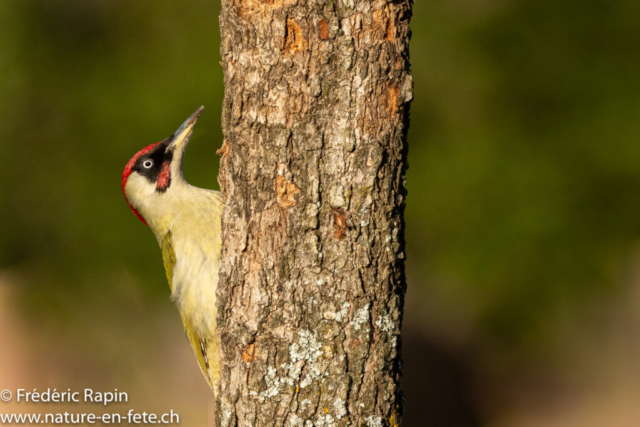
307, 347
293, 372
329, 315
342, 314
314, 374
361, 317
325, 420
273, 384
373, 421
385, 323
225, 418
295, 421
339, 408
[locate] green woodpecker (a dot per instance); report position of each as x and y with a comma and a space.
186, 222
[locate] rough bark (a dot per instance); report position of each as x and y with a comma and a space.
312, 280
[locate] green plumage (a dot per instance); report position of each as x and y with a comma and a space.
168, 258
198, 345
186, 222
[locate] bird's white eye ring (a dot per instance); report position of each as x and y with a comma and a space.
147, 164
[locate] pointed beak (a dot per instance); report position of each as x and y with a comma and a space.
180, 138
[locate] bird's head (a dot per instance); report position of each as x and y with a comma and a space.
155, 172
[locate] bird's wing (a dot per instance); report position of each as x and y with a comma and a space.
198, 345
168, 258
211, 347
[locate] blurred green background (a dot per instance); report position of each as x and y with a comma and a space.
522, 218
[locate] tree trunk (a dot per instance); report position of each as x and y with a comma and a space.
313, 166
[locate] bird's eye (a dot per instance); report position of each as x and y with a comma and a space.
147, 164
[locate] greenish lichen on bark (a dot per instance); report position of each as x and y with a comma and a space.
312, 280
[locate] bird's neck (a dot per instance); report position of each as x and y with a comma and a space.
170, 205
